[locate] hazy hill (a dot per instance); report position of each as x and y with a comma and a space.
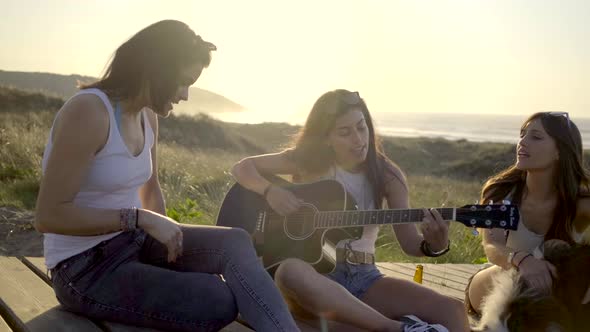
64, 86
12, 100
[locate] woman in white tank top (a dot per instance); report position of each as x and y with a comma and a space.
112, 251
338, 142
549, 183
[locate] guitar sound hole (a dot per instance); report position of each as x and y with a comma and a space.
300, 223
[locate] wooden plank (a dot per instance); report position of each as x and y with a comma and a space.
446, 269
4, 326
397, 272
441, 288
442, 271
37, 265
468, 268
439, 271
29, 303
426, 277
452, 267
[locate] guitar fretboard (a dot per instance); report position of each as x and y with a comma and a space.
329, 219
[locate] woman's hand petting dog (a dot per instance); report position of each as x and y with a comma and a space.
538, 273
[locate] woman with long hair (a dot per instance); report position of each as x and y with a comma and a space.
338, 142
112, 252
550, 184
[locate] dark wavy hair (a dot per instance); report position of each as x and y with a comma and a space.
155, 56
312, 155
571, 181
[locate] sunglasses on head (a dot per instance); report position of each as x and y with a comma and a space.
210, 46
565, 114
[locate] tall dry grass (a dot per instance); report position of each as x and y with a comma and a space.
196, 153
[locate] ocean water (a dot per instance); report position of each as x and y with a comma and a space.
477, 128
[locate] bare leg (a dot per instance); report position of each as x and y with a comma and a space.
308, 291
395, 298
481, 286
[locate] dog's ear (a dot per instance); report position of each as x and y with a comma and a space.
555, 250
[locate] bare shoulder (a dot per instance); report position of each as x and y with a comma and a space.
86, 111
393, 177
152, 118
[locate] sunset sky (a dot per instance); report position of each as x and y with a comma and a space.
470, 56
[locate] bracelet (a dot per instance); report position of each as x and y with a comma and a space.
427, 251
522, 260
266, 190
128, 218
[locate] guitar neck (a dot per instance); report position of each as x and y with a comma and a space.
351, 218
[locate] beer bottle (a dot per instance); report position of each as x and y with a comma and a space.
418, 273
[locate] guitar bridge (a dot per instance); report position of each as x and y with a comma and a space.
260, 221
258, 235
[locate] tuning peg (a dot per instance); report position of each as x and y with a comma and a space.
491, 202
506, 202
474, 231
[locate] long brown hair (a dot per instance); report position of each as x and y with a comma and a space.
571, 181
154, 56
313, 156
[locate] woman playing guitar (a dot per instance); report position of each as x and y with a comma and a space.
338, 142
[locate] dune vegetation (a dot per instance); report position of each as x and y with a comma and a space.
196, 153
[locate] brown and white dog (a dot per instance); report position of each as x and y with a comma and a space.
513, 306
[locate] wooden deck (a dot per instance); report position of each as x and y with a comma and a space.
447, 279
28, 303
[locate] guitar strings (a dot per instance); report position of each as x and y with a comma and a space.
311, 217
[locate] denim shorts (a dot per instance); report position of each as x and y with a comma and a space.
357, 279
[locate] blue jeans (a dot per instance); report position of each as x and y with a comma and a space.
357, 279
127, 279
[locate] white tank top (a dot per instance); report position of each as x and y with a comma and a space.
112, 182
524, 239
359, 187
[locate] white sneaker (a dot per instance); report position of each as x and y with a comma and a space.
412, 323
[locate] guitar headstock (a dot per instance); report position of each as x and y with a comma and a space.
505, 216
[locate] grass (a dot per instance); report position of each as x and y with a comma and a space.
432, 191
195, 154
